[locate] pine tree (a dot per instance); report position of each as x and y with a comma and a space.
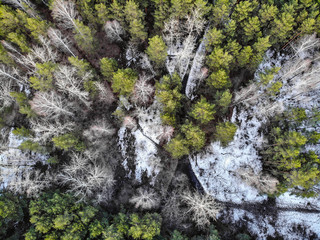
117, 12
20, 40
177, 147
245, 56
194, 136
251, 28
267, 13
219, 59
203, 111
147, 228
157, 50
103, 13
220, 11
282, 27
225, 132
135, 19
243, 10
224, 101
214, 38
108, 66
123, 81
161, 13
84, 36
219, 80
68, 141
180, 8
43, 80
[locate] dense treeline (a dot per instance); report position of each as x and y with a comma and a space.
73, 72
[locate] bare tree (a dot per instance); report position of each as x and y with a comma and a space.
263, 182
60, 41
166, 134
145, 200
129, 122
143, 91
25, 5
114, 30
64, 12
6, 99
99, 130
105, 93
87, 178
7, 73
44, 130
51, 105
202, 208
146, 64
68, 81
306, 46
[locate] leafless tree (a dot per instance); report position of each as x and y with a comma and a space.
99, 131
195, 22
166, 134
87, 178
68, 81
105, 93
25, 5
51, 105
129, 122
7, 73
306, 46
44, 130
6, 99
145, 200
263, 182
202, 208
143, 91
146, 64
59, 41
114, 30
64, 12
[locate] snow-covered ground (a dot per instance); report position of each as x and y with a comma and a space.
216, 167
146, 138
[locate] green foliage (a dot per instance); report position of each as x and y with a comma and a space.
68, 141
220, 11
59, 216
179, 8
146, 227
243, 10
225, 132
43, 81
22, 132
29, 145
219, 79
267, 13
243, 236
37, 27
282, 27
177, 147
20, 40
81, 65
169, 95
268, 75
219, 59
203, 111
157, 50
176, 235
251, 28
123, 81
87, 11
135, 19
161, 13
4, 56
11, 213
24, 106
108, 66
117, 12
84, 36
194, 136
274, 89
244, 56
214, 38
102, 13
224, 101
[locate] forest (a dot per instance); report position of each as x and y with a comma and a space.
159, 119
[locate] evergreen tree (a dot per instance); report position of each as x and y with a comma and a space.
220, 11
177, 147
43, 80
243, 10
219, 59
251, 28
194, 136
68, 141
203, 111
219, 80
282, 27
135, 19
117, 12
147, 227
108, 66
123, 81
267, 13
161, 13
225, 132
224, 101
157, 50
103, 13
180, 8
245, 56
84, 36
214, 38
